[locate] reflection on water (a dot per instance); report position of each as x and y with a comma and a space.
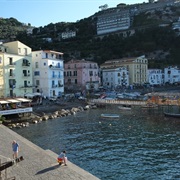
141, 144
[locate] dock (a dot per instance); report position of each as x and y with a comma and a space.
38, 164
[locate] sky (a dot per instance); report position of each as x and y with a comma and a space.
43, 12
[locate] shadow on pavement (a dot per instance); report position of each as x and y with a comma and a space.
47, 169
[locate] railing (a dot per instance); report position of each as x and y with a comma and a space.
122, 102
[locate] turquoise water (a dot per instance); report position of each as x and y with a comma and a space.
141, 144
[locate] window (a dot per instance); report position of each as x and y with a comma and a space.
46, 55
36, 73
90, 73
25, 51
25, 84
75, 73
36, 65
75, 81
19, 50
37, 82
11, 61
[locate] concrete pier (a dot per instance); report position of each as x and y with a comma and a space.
38, 164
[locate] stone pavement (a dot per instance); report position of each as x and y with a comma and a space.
38, 164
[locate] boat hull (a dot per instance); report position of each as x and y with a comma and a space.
110, 115
172, 115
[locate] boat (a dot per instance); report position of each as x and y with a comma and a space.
124, 107
175, 115
150, 106
110, 115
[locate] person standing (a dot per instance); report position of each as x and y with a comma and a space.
15, 148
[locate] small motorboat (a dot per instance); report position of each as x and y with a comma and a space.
124, 107
175, 115
110, 115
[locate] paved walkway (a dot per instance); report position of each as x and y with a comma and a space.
38, 164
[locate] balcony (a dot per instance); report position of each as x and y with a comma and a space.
26, 86
26, 64
55, 67
12, 64
26, 75
54, 76
54, 86
11, 75
12, 86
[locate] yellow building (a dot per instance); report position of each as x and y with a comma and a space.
137, 67
15, 69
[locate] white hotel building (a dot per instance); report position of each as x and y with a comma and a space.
114, 77
171, 75
48, 72
155, 76
113, 20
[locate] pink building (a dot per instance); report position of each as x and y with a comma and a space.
81, 75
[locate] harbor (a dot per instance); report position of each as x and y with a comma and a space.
139, 144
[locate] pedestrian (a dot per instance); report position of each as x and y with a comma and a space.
15, 148
62, 158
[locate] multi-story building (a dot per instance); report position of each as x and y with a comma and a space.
68, 34
171, 75
136, 66
81, 74
115, 77
155, 76
113, 20
15, 69
48, 72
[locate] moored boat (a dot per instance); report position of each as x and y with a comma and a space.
124, 107
176, 115
110, 115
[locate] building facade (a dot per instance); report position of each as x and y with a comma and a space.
81, 74
113, 20
171, 75
113, 78
15, 69
137, 68
155, 77
48, 72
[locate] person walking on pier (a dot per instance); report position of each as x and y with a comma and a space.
15, 148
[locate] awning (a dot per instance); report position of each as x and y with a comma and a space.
12, 100
23, 100
3, 102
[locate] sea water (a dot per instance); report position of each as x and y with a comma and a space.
140, 144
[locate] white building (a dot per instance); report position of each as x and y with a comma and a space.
69, 34
48, 68
114, 77
15, 69
171, 75
155, 76
112, 21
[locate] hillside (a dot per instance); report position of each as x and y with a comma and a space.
160, 44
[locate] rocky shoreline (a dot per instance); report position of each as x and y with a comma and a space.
48, 111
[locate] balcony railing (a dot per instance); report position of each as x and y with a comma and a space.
26, 86
26, 75
11, 75
26, 64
